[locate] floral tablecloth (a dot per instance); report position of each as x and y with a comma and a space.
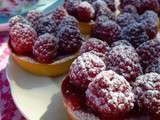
8, 110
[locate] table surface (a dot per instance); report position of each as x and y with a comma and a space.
8, 110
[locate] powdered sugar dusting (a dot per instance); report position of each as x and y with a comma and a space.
85, 68
110, 94
147, 92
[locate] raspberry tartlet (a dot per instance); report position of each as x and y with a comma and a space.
88, 11
45, 45
102, 96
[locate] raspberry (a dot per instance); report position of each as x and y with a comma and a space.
59, 14
107, 31
125, 19
45, 48
151, 22
85, 12
101, 19
22, 38
46, 25
121, 42
33, 17
97, 4
111, 4
135, 34
149, 51
125, 61
154, 66
130, 9
68, 20
95, 46
148, 5
105, 11
18, 19
84, 69
110, 95
147, 92
71, 5
70, 39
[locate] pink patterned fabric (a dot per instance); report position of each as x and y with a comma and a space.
8, 110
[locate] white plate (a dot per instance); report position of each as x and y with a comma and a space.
38, 98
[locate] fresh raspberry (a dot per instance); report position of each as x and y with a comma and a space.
68, 20
121, 42
70, 39
85, 12
107, 31
151, 22
149, 51
147, 92
97, 4
154, 66
96, 46
84, 69
18, 19
33, 17
148, 5
45, 48
125, 61
125, 19
46, 25
105, 11
22, 38
111, 5
135, 33
110, 95
130, 9
141, 5
59, 14
71, 5
101, 19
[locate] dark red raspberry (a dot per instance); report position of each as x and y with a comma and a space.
59, 14
110, 95
151, 22
85, 12
22, 38
33, 17
147, 93
45, 48
105, 11
135, 33
125, 61
18, 19
149, 51
68, 20
46, 25
121, 42
71, 5
148, 5
130, 9
107, 31
96, 46
125, 19
142, 5
84, 69
70, 39
154, 66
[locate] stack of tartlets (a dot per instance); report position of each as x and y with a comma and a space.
117, 75
45, 44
